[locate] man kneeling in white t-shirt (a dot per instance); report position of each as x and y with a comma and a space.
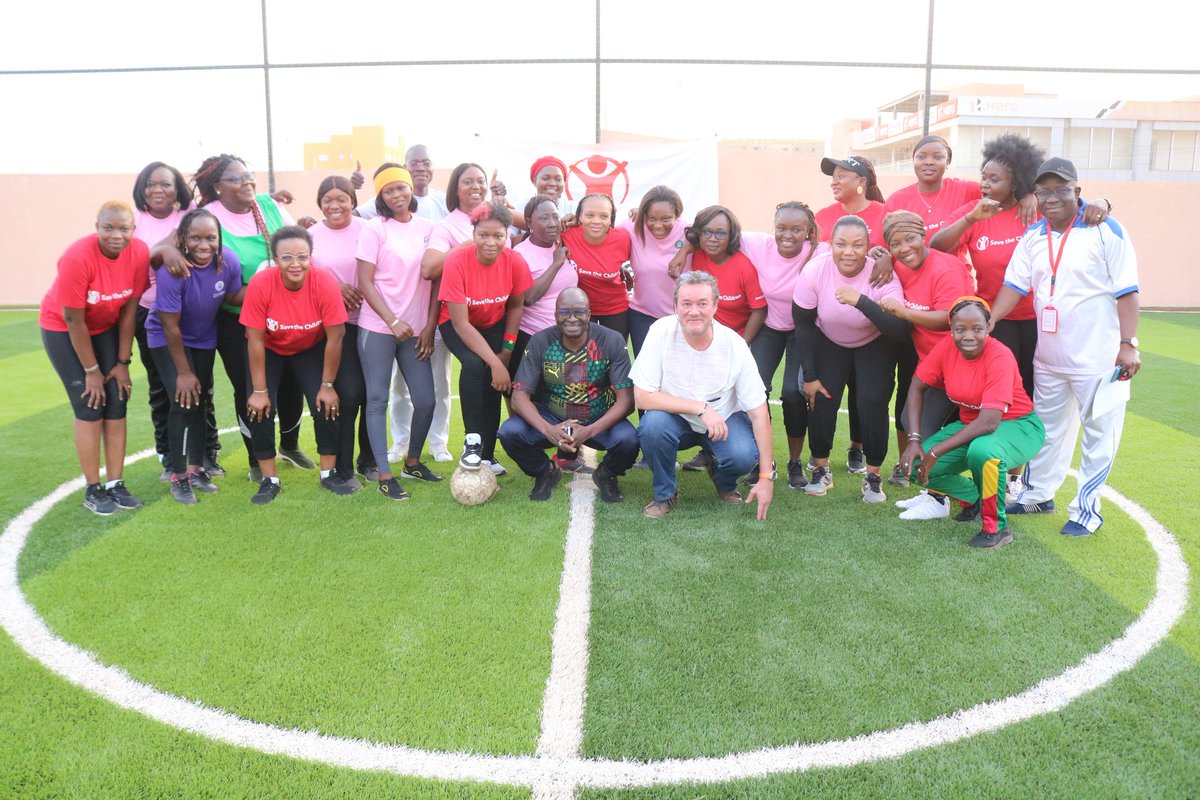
696, 384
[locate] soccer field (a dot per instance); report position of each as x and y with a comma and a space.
701, 655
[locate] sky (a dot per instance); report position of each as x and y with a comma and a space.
117, 122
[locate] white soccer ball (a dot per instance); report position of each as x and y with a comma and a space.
473, 487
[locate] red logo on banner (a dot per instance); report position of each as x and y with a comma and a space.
599, 175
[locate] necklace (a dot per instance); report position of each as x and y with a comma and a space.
936, 197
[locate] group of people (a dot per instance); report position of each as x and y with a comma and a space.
954, 295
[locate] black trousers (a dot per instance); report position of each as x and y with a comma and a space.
480, 402
305, 369
160, 399
872, 366
186, 427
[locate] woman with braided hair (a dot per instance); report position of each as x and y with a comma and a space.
226, 187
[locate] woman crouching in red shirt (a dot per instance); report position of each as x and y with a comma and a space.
295, 322
997, 427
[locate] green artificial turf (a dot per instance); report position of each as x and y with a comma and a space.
429, 624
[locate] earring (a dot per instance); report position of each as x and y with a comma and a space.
860, 189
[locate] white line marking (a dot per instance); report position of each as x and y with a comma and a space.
566, 688
81, 668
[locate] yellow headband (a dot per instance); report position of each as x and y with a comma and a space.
391, 175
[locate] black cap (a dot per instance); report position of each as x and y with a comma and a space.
857, 166
1057, 166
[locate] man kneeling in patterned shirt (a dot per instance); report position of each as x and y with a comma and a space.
572, 388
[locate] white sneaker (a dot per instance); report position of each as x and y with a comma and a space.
440, 454
398, 452
472, 450
1013, 493
495, 466
928, 508
912, 501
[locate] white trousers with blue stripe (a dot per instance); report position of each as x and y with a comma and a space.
1061, 401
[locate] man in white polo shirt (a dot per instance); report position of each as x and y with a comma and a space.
1085, 291
697, 384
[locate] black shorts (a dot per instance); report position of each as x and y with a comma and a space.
70, 371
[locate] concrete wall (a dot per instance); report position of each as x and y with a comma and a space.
46, 213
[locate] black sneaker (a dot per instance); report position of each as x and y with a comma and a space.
181, 490
202, 481
796, 476
606, 482
122, 497
751, 477
335, 484
268, 490
296, 457
898, 477
543, 485
856, 461
97, 500
212, 466
997, 539
472, 454
420, 472
392, 490
369, 473
970, 513
698, 462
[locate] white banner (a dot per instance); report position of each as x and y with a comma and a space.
623, 171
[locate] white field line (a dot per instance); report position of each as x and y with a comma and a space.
81, 668
566, 688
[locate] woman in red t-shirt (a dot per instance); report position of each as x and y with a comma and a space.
932, 281
855, 191
483, 295
716, 239
87, 320
997, 430
600, 251
295, 321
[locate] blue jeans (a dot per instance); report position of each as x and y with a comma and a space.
662, 435
526, 445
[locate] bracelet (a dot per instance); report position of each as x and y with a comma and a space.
260, 391
510, 338
766, 476
509, 345
93, 368
394, 322
125, 361
931, 453
1109, 202
701, 414
914, 437
327, 384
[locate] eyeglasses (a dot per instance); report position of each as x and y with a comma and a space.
1063, 192
289, 260
238, 180
709, 233
572, 312
426, 163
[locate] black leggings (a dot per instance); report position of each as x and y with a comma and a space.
618, 322
185, 426
160, 402
872, 366
480, 402
231, 344
352, 399
305, 369
769, 348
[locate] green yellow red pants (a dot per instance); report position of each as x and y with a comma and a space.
988, 459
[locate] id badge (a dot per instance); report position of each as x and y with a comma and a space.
1049, 319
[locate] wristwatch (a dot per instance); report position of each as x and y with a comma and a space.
1133, 340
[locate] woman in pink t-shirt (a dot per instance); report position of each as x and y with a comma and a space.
550, 266
396, 323
779, 260
335, 248
656, 237
842, 331
160, 197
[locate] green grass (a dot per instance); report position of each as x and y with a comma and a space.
428, 624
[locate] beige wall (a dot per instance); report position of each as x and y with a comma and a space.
48, 212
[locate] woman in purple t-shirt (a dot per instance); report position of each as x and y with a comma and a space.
181, 330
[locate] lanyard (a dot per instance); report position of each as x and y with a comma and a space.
1054, 260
